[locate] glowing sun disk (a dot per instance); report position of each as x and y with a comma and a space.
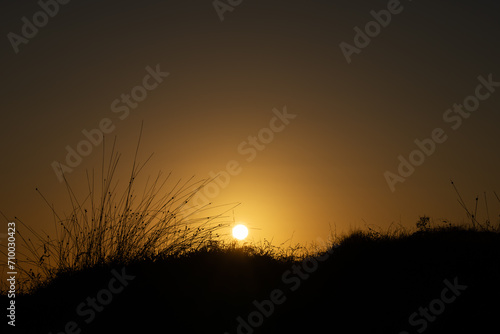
240, 232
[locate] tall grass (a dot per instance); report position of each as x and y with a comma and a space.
487, 225
108, 226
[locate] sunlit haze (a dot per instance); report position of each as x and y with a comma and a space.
312, 126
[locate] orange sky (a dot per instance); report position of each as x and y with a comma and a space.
224, 97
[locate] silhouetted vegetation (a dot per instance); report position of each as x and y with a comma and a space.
128, 265
371, 282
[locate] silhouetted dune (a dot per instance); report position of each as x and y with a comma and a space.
368, 284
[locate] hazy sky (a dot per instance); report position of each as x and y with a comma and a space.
311, 112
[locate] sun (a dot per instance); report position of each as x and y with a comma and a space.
240, 232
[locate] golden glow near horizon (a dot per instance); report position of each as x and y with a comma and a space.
332, 167
240, 231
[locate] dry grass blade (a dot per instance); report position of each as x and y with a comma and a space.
108, 227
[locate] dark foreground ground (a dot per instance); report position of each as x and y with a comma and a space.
439, 282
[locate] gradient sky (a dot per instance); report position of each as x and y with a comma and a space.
326, 167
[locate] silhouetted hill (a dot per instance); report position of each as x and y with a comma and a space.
367, 284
